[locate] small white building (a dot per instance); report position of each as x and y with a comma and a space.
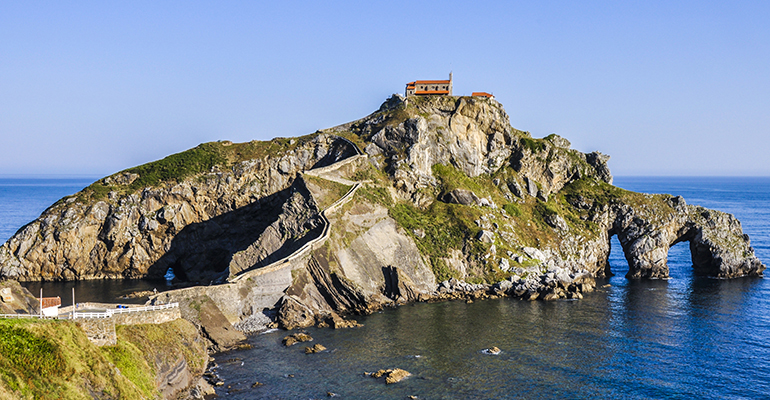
49, 306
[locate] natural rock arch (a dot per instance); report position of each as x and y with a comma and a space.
718, 246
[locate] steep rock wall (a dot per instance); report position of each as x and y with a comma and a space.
134, 235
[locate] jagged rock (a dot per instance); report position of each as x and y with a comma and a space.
557, 222
486, 236
315, 348
534, 253
296, 338
292, 314
515, 188
193, 225
391, 375
531, 187
397, 284
237, 217
16, 299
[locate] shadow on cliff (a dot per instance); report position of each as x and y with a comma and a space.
338, 151
202, 252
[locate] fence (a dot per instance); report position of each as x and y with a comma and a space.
110, 312
100, 314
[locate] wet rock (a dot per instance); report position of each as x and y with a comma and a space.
391, 375
296, 338
314, 349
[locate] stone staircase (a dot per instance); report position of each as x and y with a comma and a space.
328, 173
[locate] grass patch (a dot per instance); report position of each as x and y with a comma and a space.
198, 160
375, 195
446, 226
327, 191
534, 145
512, 209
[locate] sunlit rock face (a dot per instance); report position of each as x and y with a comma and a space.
452, 201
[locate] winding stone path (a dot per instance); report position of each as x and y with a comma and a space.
324, 173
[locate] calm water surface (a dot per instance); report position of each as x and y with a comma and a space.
687, 337
24, 199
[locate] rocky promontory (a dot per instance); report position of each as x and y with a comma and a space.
427, 198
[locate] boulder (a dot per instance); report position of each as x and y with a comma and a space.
315, 349
292, 314
461, 196
391, 375
296, 338
486, 236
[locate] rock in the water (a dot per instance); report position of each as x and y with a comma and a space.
314, 349
391, 375
296, 338
492, 351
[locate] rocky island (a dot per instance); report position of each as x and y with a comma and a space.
428, 198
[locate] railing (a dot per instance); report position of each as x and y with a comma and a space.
96, 314
110, 312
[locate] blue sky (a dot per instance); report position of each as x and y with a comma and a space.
665, 88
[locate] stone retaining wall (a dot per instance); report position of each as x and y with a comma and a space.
101, 331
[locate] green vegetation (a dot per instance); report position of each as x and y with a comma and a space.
534, 145
325, 192
53, 359
375, 195
24, 354
446, 226
200, 159
166, 343
512, 209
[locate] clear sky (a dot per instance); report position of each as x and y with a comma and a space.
664, 87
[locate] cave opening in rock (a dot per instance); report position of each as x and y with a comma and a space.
616, 261
680, 260
664, 261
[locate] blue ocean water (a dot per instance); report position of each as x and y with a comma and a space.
683, 338
24, 199
686, 337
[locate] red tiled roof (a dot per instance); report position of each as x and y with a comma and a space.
431, 82
51, 301
482, 94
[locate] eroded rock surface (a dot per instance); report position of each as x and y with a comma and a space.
447, 193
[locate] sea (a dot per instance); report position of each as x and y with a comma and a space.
686, 337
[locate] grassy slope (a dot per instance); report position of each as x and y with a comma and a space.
200, 159
329, 191
54, 359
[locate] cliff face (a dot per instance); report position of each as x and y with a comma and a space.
372, 212
193, 224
